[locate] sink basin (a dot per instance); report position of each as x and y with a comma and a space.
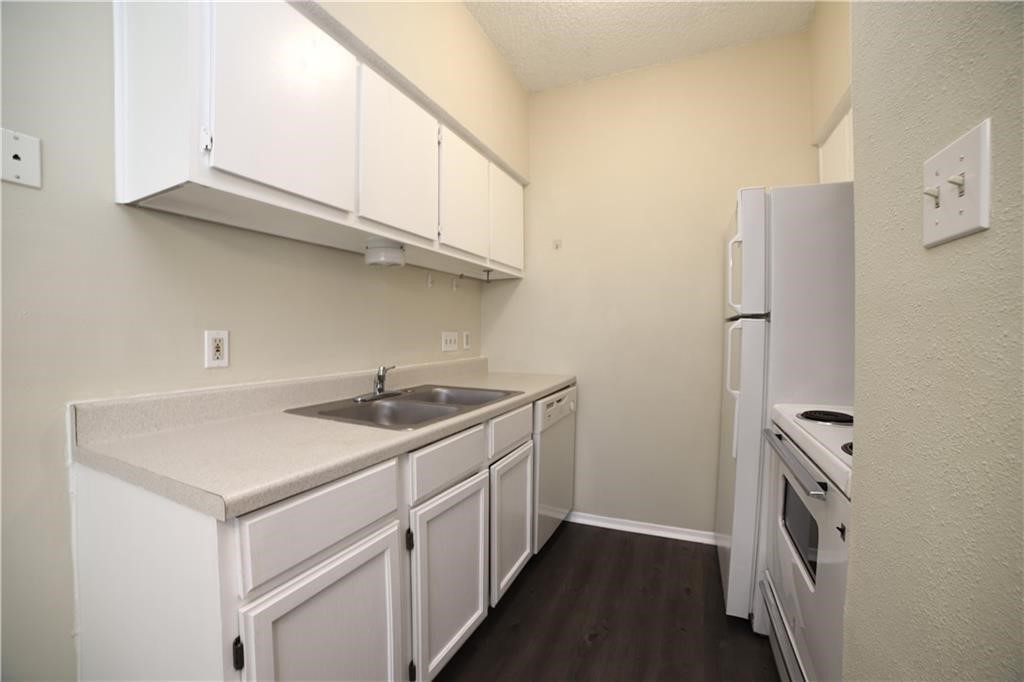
451, 395
408, 409
389, 414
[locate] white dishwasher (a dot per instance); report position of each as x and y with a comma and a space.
554, 441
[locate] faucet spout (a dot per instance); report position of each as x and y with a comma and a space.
382, 375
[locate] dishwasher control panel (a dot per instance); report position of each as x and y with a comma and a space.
554, 407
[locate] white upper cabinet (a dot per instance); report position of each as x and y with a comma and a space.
283, 109
253, 114
397, 158
506, 219
465, 218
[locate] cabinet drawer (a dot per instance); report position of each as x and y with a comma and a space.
509, 430
280, 536
435, 466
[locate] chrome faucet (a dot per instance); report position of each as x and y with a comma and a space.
378, 387
382, 375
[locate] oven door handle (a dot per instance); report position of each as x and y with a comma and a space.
812, 487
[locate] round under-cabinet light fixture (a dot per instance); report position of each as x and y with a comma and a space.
384, 252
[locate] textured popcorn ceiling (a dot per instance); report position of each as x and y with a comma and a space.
550, 44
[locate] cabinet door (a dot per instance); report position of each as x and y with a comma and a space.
339, 621
397, 158
511, 518
283, 102
464, 211
449, 572
506, 219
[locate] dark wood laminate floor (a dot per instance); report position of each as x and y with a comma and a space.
600, 604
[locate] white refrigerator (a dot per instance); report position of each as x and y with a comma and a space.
788, 339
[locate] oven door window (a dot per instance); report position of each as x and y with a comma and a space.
801, 528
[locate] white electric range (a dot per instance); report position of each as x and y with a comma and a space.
822, 440
807, 523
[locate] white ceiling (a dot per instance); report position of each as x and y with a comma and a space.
550, 44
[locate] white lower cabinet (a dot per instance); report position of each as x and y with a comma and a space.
338, 621
449, 572
511, 518
316, 586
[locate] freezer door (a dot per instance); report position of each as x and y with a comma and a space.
739, 460
745, 255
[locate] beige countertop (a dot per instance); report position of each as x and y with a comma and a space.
238, 462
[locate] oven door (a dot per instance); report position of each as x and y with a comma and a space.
807, 528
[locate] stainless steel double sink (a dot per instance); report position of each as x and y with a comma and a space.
408, 409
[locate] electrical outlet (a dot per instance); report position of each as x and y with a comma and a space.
449, 342
215, 349
465, 340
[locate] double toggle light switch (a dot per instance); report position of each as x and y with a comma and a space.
957, 188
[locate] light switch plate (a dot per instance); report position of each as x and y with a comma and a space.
962, 209
22, 164
449, 342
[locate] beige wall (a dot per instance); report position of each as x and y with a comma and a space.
934, 588
830, 59
637, 174
441, 48
101, 300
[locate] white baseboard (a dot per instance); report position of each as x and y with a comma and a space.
676, 533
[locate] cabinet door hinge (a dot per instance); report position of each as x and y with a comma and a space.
409, 544
205, 140
238, 653
412, 672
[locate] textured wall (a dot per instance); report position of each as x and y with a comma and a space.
102, 300
934, 585
637, 174
830, 58
440, 47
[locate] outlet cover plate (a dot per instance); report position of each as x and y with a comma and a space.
958, 216
22, 163
215, 349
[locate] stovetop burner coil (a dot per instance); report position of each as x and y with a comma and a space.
827, 417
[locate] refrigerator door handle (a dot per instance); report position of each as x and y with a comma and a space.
738, 239
728, 357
